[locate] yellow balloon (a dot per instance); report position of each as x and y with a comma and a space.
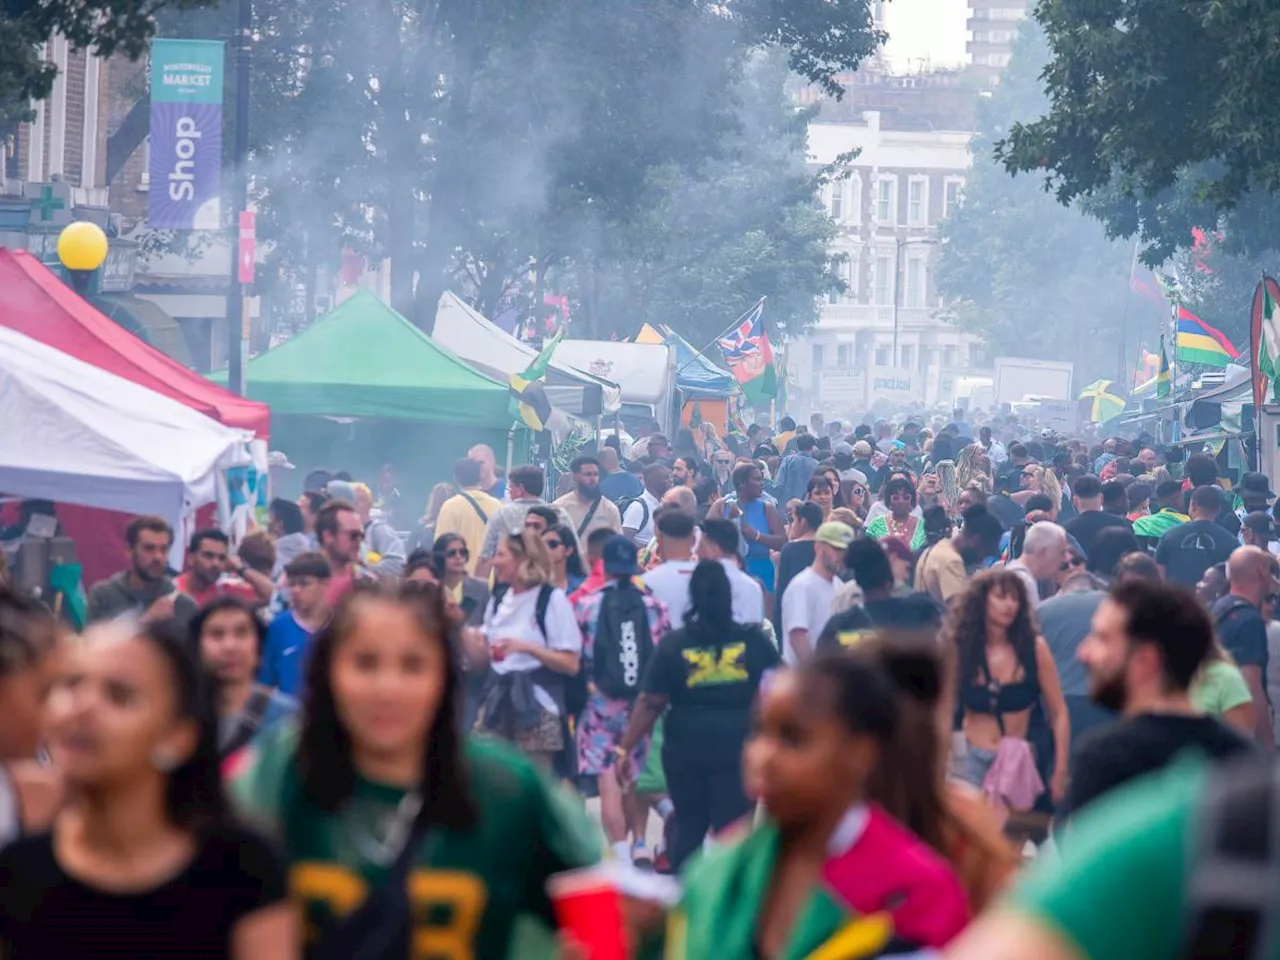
82, 246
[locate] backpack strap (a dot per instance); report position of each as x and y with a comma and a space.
254, 712
484, 517
540, 609
591, 514
1232, 899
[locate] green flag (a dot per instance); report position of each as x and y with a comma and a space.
1269, 342
1164, 379
529, 403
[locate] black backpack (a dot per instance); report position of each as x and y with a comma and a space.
623, 644
540, 609
626, 502
1230, 908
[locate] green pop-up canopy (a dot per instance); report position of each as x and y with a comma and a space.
365, 360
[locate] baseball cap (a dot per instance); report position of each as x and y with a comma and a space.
342, 490
1257, 483
842, 449
835, 534
862, 449
278, 459
619, 556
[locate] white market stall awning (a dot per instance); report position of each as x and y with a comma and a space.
485, 345
74, 433
646, 372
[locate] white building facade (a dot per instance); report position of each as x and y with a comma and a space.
884, 338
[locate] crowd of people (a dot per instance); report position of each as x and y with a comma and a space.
843, 681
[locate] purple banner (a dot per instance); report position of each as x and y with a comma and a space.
186, 166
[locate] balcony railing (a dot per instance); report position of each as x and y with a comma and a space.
872, 317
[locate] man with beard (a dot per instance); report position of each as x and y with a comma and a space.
145, 588
1146, 646
722, 473
684, 472
586, 506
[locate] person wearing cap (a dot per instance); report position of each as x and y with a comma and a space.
1240, 619
613, 645
1254, 493
806, 607
1258, 529
862, 453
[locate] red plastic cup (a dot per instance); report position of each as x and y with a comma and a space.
588, 909
497, 652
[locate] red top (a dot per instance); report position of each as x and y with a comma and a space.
225, 587
38, 305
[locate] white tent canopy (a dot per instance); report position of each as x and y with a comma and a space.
646, 372
484, 344
74, 433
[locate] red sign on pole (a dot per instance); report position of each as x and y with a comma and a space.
248, 244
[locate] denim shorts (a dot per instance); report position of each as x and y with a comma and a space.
973, 766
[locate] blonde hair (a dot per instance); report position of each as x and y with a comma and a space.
534, 568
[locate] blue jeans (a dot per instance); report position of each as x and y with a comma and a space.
973, 766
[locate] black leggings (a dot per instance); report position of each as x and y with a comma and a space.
707, 794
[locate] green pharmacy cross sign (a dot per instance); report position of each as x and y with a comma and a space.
47, 203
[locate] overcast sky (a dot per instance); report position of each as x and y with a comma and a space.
923, 31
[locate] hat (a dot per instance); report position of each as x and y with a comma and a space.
842, 449
1260, 522
619, 556
853, 476
835, 534
341, 490
278, 459
1257, 483
1046, 433
862, 449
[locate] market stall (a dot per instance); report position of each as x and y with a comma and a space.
76, 434
34, 302
496, 353
704, 387
645, 372
363, 386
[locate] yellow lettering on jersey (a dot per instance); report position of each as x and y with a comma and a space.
328, 891
851, 638
464, 895
708, 669
448, 905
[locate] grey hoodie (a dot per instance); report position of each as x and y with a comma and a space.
288, 548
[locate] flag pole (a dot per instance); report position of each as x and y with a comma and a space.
727, 330
1173, 374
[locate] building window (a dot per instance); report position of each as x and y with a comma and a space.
882, 356
837, 270
1006, 13
978, 355
907, 357
835, 200
884, 280
951, 192
915, 292
817, 356
918, 202
844, 354
144, 181
887, 200
948, 356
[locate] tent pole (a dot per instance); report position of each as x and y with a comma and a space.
511, 447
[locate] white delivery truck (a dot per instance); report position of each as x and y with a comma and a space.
1018, 378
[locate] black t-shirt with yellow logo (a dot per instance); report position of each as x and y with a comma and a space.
710, 686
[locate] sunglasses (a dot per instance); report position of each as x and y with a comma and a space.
354, 535
553, 544
858, 491
462, 552
1072, 563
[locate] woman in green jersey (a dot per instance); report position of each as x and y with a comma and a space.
384, 811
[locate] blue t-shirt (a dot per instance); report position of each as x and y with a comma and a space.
284, 657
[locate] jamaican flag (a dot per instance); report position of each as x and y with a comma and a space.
529, 403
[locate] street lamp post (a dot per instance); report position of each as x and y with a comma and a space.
82, 248
240, 200
898, 244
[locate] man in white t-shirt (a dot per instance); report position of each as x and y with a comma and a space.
806, 606
669, 581
720, 541
637, 520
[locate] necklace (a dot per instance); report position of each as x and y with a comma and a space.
897, 528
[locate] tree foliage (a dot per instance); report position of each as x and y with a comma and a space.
1163, 114
105, 26
496, 146
1033, 277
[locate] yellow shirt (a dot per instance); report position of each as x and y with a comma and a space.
460, 517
